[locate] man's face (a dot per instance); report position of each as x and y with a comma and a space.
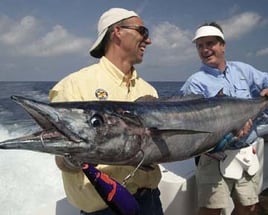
211, 52
133, 42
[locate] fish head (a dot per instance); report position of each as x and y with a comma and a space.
88, 131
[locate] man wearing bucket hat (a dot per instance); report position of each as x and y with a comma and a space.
121, 43
216, 179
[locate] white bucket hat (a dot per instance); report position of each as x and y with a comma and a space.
107, 19
206, 31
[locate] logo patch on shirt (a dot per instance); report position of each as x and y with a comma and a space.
101, 94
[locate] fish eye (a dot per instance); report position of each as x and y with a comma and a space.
96, 121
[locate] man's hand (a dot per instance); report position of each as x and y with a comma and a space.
68, 164
246, 129
264, 92
229, 141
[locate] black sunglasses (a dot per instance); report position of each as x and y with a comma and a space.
141, 29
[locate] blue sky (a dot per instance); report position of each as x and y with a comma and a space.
44, 40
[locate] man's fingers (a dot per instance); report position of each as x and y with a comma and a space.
245, 129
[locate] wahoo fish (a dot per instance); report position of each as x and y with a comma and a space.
133, 133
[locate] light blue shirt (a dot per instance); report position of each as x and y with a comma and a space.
238, 80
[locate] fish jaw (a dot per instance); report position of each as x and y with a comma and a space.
47, 117
55, 138
48, 141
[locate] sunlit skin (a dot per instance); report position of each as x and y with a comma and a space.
211, 52
127, 46
133, 42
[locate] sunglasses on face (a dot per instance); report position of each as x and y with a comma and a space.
143, 31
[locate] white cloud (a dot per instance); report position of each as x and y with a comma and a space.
27, 37
170, 44
262, 52
14, 33
169, 36
240, 24
4, 23
57, 42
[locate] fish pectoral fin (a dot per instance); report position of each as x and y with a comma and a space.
171, 132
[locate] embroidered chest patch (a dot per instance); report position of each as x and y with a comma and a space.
101, 94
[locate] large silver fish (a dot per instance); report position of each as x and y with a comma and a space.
130, 133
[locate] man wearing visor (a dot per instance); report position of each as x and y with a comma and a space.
218, 180
121, 43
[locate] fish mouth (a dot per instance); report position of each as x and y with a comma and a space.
53, 136
47, 118
39, 140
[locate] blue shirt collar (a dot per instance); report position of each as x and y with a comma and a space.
213, 71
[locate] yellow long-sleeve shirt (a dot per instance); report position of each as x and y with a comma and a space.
102, 81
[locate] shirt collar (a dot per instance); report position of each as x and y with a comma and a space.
117, 74
214, 71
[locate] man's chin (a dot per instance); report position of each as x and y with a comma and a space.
209, 61
210, 64
139, 60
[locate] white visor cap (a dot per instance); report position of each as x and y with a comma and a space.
107, 19
206, 31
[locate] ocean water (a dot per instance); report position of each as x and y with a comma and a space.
30, 180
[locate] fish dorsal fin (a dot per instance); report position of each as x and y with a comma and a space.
184, 98
149, 98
